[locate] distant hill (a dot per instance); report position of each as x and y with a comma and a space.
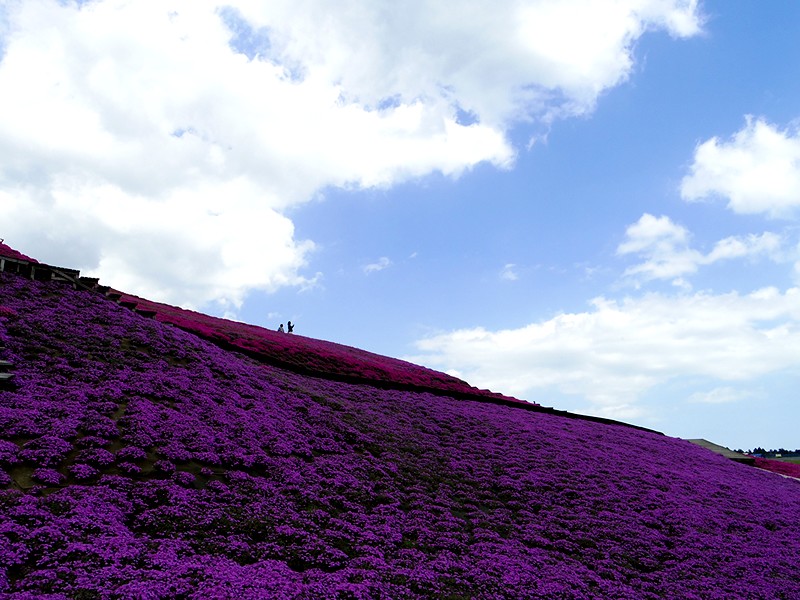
148, 452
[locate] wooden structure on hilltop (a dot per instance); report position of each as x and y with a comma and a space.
44, 272
72, 277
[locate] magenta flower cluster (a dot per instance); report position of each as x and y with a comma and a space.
9, 252
138, 460
777, 466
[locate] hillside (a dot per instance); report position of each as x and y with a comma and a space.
140, 459
309, 356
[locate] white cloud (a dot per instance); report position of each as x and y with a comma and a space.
720, 395
382, 263
137, 244
509, 273
163, 141
665, 246
766, 244
498, 61
614, 353
757, 170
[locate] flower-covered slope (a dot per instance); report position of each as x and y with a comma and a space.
300, 353
312, 356
140, 461
7, 251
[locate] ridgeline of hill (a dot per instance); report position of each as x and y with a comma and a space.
140, 460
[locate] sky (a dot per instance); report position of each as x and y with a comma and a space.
593, 205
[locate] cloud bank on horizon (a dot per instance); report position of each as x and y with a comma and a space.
135, 131
615, 353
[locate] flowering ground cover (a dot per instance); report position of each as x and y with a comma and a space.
138, 460
312, 356
9, 252
778, 466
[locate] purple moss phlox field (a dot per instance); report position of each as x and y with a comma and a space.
140, 461
311, 355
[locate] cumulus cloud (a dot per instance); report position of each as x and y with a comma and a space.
757, 170
497, 61
664, 244
665, 247
162, 142
611, 355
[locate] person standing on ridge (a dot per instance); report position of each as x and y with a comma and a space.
290, 327
281, 328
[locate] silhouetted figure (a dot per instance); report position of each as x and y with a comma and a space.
281, 328
290, 327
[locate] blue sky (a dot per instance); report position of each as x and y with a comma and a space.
590, 205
